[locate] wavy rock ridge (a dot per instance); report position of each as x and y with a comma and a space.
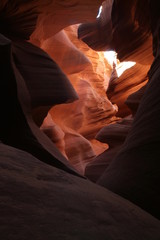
68, 120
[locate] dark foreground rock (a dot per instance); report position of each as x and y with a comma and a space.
38, 201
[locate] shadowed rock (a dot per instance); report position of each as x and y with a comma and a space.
40, 202
135, 172
17, 127
98, 34
114, 135
134, 99
122, 87
123, 28
42, 195
46, 83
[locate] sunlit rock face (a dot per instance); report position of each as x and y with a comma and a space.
56, 15
91, 78
89, 73
61, 48
38, 19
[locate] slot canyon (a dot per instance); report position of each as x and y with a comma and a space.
80, 120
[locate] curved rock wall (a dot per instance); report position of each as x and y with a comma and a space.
43, 188
134, 172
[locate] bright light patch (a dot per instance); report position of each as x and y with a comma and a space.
121, 67
99, 13
111, 57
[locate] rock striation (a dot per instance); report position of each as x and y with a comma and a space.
114, 135
134, 172
22, 132
68, 120
122, 87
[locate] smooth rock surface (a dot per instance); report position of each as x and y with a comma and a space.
114, 135
135, 172
40, 202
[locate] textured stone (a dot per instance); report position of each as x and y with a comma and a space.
45, 81
114, 135
135, 172
40, 202
65, 53
132, 41
77, 149
98, 34
17, 126
20, 19
42, 195
52, 20
89, 75
122, 87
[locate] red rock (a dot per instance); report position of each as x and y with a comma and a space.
114, 135
43, 193
122, 87
17, 126
65, 53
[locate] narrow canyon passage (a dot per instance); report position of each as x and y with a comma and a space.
79, 147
